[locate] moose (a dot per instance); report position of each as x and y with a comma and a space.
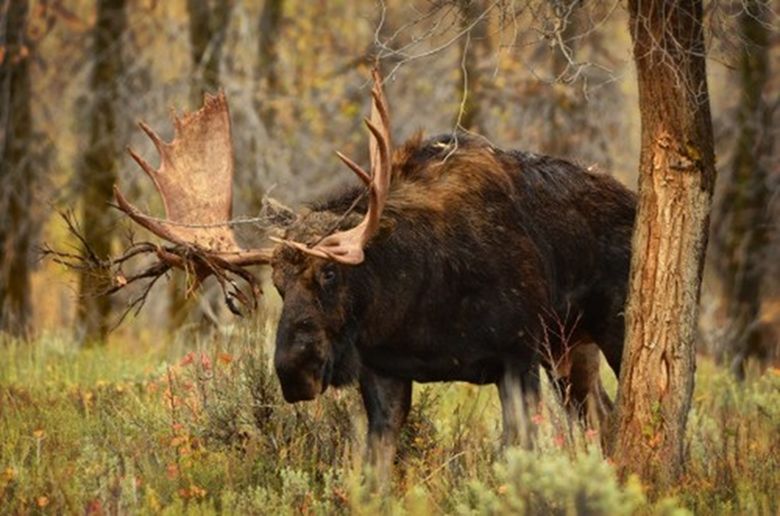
454, 261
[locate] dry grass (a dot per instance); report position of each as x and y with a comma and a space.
201, 428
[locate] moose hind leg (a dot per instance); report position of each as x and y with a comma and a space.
518, 390
608, 329
586, 395
387, 402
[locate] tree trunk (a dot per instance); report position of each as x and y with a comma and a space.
267, 73
474, 48
676, 178
16, 171
741, 227
208, 29
99, 168
565, 100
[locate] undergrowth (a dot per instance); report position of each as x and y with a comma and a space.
199, 426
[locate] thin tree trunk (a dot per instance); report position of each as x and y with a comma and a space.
101, 160
564, 101
474, 48
741, 227
16, 171
208, 30
676, 178
267, 73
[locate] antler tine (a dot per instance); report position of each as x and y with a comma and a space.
347, 246
158, 143
145, 166
379, 149
141, 219
357, 169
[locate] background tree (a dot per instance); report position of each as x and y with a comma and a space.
564, 101
16, 168
267, 70
475, 47
741, 220
321, 69
100, 163
676, 177
208, 29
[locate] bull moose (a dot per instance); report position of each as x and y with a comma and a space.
451, 263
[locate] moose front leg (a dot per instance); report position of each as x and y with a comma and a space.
387, 402
518, 390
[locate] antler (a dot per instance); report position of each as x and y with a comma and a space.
347, 246
195, 182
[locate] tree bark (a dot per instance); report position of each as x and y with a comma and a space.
100, 163
676, 179
741, 225
16, 170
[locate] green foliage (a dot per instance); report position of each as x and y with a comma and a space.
543, 483
203, 429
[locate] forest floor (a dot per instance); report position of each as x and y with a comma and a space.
198, 425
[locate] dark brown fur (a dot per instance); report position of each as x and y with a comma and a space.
480, 253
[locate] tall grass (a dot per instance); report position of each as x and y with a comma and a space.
198, 425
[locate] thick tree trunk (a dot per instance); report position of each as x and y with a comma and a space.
16, 171
677, 173
741, 226
99, 169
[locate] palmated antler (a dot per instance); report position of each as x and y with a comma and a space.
347, 246
195, 182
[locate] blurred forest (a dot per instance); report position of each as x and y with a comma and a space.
181, 412
547, 76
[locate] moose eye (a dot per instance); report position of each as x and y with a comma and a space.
328, 276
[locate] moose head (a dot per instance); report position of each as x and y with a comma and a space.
310, 265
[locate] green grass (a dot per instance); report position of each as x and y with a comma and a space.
197, 425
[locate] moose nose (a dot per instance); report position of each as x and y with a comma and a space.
296, 386
284, 367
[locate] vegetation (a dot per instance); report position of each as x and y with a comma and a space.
192, 421
144, 427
